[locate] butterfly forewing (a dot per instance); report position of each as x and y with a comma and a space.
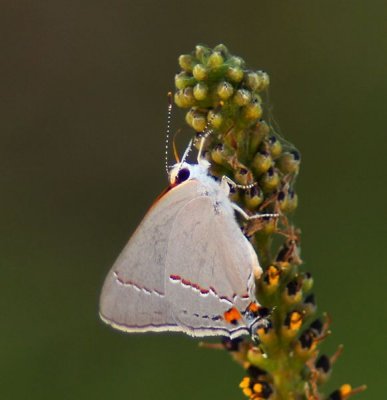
133, 295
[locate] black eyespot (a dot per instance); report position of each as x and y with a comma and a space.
182, 175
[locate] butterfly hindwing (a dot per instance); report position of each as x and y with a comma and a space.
209, 268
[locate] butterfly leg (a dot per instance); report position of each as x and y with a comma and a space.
226, 183
248, 217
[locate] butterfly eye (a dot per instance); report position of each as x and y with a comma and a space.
182, 175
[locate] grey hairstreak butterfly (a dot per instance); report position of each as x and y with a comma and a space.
188, 267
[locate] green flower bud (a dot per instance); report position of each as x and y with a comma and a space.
309, 306
215, 60
307, 282
182, 80
253, 197
187, 62
270, 180
287, 201
242, 97
262, 161
252, 111
292, 201
289, 163
215, 118
235, 74
185, 98
199, 122
252, 80
293, 292
243, 176
224, 90
189, 116
282, 199
264, 80
257, 81
202, 53
222, 49
200, 72
179, 99
275, 147
236, 61
269, 226
200, 91
258, 133
218, 155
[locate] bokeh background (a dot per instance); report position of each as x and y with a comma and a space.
82, 127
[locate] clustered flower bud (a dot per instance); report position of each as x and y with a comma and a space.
225, 101
211, 76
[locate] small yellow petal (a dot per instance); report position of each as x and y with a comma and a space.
257, 388
245, 382
346, 389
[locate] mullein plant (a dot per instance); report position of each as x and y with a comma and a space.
225, 101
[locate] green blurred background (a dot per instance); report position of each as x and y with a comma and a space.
82, 125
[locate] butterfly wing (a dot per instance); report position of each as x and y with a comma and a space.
209, 269
133, 297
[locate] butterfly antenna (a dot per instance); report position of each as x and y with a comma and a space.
203, 138
186, 153
207, 131
175, 152
168, 131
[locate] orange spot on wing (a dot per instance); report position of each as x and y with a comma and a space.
232, 316
253, 307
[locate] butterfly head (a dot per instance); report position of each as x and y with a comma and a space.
184, 171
